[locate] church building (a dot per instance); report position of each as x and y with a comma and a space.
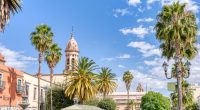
72, 56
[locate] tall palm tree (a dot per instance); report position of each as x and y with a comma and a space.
106, 81
52, 57
176, 29
187, 95
128, 78
6, 8
132, 104
41, 38
81, 83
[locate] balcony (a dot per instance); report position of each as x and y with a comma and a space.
2, 85
20, 89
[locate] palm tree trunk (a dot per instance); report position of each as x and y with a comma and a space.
39, 76
179, 74
51, 77
104, 95
128, 99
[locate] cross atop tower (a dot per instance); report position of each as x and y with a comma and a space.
72, 33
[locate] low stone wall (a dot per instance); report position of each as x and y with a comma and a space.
10, 108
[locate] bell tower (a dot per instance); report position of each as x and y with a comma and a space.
72, 53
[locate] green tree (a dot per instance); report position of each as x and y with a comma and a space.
8, 7
132, 104
128, 78
155, 101
176, 29
186, 93
107, 104
81, 83
106, 81
193, 106
52, 57
41, 38
59, 99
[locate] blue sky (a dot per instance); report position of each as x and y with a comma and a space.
114, 33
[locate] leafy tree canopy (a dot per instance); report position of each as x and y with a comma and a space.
59, 99
155, 101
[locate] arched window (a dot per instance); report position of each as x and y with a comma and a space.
67, 64
73, 63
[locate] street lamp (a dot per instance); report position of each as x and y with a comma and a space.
165, 65
179, 73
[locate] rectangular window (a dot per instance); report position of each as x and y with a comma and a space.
1, 77
27, 90
1, 80
42, 96
41, 93
34, 93
19, 82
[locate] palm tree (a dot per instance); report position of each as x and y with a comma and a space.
106, 81
7, 7
176, 29
41, 38
127, 78
81, 83
187, 95
132, 104
52, 57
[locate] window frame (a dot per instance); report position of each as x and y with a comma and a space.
34, 93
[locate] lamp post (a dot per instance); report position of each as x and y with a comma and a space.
179, 75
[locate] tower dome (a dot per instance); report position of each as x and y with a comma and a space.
72, 45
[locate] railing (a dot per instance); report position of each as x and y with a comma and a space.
124, 101
20, 89
2, 85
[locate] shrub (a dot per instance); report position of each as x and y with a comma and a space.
107, 104
58, 98
155, 101
92, 102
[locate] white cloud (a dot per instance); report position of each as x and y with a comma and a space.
149, 79
16, 59
145, 48
151, 1
141, 9
121, 66
145, 20
198, 34
124, 56
121, 12
197, 20
134, 2
107, 59
138, 31
156, 70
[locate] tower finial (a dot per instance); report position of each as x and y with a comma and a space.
72, 33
